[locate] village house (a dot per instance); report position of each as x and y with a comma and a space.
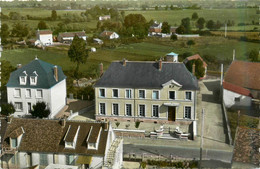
246, 152
104, 18
155, 28
195, 57
44, 37
109, 35
42, 142
241, 85
67, 37
151, 91
98, 41
38, 81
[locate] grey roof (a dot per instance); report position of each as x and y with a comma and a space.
44, 71
147, 75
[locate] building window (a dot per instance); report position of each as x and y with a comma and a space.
18, 106
17, 92
128, 109
22, 80
28, 93
155, 111
33, 80
115, 109
101, 92
14, 142
187, 113
237, 99
142, 110
155, 94
39, 93
43, 160
102, 108
70, 160
128, 93
172, 95
142, 94
115, 92
188, 95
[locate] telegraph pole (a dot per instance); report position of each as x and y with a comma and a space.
201, 137
225, 30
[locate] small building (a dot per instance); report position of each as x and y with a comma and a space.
98, 41
67, 37
172, 57
37, 81
195, 57
109, 35
45, 37
155, 28
246, 152
58, 143
103, 18
241, 84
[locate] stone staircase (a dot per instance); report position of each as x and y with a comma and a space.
112, 152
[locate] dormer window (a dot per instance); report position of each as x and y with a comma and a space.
33, 80
13, 142
22, 80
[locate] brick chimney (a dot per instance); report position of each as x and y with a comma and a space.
63, 122
19, 66
124, 62
55, 68
100, 69
193, 69
160, 64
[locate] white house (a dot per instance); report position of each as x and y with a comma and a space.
67, 37
109, 35
42, 142
44, 37
103, 18
241, 84
34, 82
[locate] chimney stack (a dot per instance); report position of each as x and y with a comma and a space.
19, 66
63, 122
160, 64
124, 62
100, 69
193, 69
55, 68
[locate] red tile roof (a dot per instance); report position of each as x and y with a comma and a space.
44, 32
244, 74
106, 33
195, 57
236, 89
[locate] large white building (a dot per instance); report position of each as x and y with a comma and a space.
44, 37
67, 37
59, 143
37, 81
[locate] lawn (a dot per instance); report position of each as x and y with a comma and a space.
175, 17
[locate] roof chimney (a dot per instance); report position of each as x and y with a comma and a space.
63, 122
193, 69
124, 62
55, 68
160, 64
100, 69
19, 66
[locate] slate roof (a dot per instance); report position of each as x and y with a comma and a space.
147, 75
72, 34
42, 135
247, 145
45, 71
244, 74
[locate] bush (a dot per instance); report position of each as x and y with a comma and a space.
7, 109
143, 164
174, 37
117, 124
40, 110
191, 42
137, 123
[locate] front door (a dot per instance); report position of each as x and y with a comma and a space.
171, 113
29, 105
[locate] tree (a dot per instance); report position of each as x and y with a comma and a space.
20, 30
54, 15
78, 53
200, 23
165, 27
174, 37
40, 110
166, 8
195, 16
7, 109
180, 30
186, 23
171, 7
253, 55
156, 8
190, 42
4, 33
199, 69
210, 24
42, 25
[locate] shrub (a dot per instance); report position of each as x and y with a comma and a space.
117, 124
191, 42
7, 109
40, 110
143, 164
137, 123
174, 37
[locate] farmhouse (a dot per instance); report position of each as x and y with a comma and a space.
195, 57
67, 37
41, 142
34, 82
44, 37
147, 91
155, 28
109, 35
241, 84
103, 18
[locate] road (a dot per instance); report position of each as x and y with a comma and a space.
212, 158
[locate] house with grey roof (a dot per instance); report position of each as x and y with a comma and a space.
38, 81
38, 143
67, 37
148, 91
